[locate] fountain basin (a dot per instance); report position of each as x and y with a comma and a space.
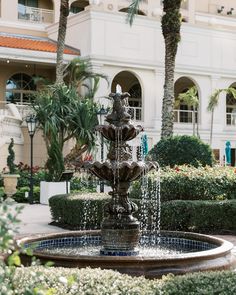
208, 253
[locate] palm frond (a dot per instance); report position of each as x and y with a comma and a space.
132, 11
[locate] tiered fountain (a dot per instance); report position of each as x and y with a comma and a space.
120, 231
116, 246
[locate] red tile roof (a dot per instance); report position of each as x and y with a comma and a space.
37, 44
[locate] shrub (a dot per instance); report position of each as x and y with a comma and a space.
83, 184
24, 171
179, 150
78, 211
107, 282
20, 196
190, 183
199, 216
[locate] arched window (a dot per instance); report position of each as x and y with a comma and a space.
19, 88
78, 6
183, 110
231, 108
129, 83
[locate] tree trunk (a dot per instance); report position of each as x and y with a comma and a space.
194, 121
211, 131
168, 99
64, 12
171, 23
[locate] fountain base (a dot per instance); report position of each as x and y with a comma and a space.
120, 236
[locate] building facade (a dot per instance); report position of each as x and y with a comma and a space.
132, 57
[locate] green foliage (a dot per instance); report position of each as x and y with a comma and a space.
63, 281
62, 115
199, 216
180, 150
11, 158
83, 184
190, 183
20, 197
223, 282
78, 211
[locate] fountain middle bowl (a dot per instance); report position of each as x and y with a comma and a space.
125, 132
125, 171
203, 253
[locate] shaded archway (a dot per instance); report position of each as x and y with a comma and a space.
78, 6
129, 83
20, 88
183, 110
231, 107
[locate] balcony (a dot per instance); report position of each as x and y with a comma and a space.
35, 15
231, 119
135, 113
184, 116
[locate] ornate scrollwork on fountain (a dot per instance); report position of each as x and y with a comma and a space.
120, 229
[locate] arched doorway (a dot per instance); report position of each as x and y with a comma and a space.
20, 88
183, 108
129, 83
231, 107
78, 6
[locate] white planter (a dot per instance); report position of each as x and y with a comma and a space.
49, 189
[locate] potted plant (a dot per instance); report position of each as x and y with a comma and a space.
11, 177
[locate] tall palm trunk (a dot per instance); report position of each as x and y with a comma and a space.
64, 12
171, 23
194, 122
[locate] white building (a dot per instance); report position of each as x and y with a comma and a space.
131, 56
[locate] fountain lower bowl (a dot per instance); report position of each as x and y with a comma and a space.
210, 253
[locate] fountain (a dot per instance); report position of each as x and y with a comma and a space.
117, 245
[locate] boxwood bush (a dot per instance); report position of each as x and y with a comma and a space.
180, 150
199, 216
78, 211
190, 183
20, 196
63, 281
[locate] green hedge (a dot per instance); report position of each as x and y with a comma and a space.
86, 281
180, 150
190, 183
78, 211
19, 196
199, 216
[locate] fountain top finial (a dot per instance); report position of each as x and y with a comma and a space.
119, 115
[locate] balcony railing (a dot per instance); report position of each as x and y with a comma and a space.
135, 112
230, 118
35, 15
185, 116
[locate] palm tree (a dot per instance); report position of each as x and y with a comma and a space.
171, 23
213, 103
64, 12
61, 119
190, 97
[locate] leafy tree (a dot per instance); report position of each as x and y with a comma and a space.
171, 23
213, 103
11, 158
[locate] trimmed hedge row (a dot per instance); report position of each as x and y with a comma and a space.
199, 216
85, 211
78, 211
107, 282
189, 183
